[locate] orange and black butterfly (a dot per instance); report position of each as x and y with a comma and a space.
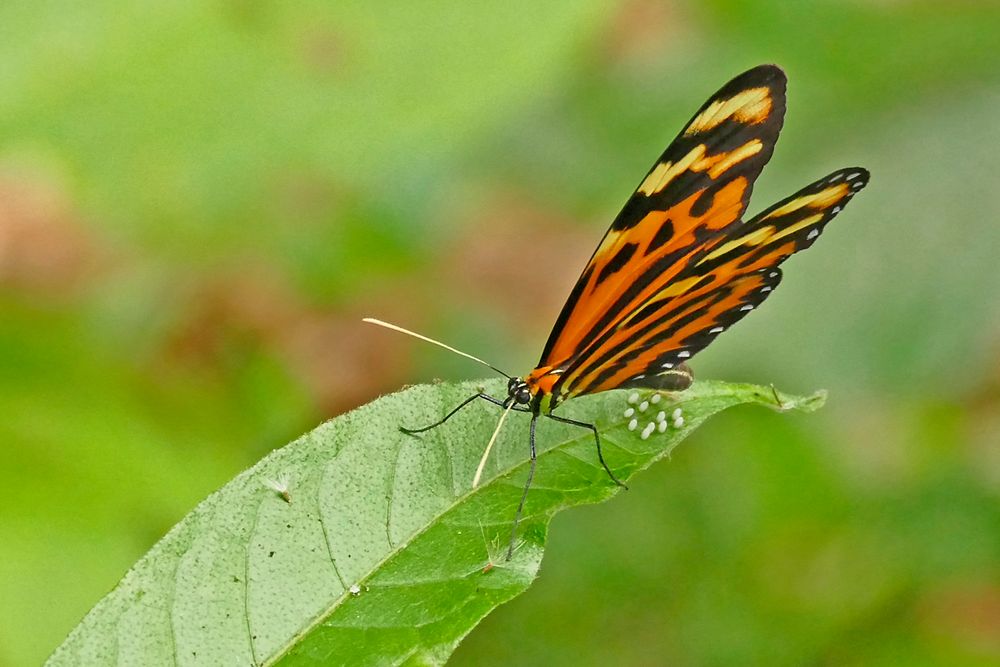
679, 265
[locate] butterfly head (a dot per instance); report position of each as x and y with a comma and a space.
518, 392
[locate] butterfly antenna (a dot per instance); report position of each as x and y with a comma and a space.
489, 446
372, 320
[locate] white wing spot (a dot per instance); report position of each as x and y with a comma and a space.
811, 235
835, 210
765, 289
772, 274
715, 330
683, 354
747, 307
668, 366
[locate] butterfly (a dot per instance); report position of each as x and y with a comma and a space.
677, 267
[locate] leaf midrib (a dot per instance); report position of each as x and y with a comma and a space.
395, 550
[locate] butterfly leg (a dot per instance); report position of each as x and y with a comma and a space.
527, 485
597, 439
470, 399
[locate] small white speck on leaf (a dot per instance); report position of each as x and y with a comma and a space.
281, 486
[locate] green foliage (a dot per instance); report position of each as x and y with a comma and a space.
240, 181
381, 551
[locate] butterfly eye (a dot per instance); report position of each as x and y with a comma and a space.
523, 395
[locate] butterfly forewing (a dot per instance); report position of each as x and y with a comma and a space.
678, 266
698, 188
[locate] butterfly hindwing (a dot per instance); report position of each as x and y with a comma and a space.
791, 225
668, 332
698, 188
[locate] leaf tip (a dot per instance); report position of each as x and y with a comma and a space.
809, 403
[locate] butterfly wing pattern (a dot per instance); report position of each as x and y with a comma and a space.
678, 265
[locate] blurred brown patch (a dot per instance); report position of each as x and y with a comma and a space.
518, 255
335, 355
44, 247
983, 427
346, 362
967, 613
323, 50
307, 199
858, 422
646, 34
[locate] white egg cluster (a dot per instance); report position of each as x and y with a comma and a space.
660, 423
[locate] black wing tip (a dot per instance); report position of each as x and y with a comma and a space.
767, 74
859, 174
767, 71
857, 177
770, 76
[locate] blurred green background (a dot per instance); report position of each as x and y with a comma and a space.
199, 200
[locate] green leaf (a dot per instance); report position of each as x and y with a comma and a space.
382, 553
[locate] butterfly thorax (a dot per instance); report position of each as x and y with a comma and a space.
540, 384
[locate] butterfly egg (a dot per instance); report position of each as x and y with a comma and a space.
679, 422
661, 416
643, 406
655, 399
630, 412
633, 424
661, 427
676, 413
355, 590
646, 432
633, 398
